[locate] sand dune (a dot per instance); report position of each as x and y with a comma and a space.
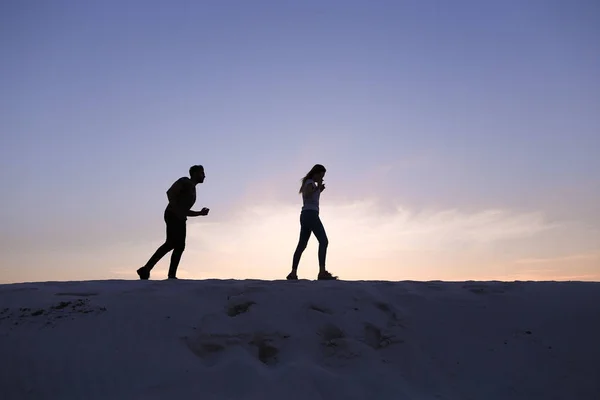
300, 340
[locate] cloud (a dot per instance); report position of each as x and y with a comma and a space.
552, 260
581, 266
259, 240
368, 240
433, 230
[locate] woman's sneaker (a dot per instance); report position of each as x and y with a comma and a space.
292, 276
326, 276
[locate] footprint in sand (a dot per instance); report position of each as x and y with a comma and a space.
374, 337
211, 347
393, 319
235, 309
320, 309
329, 333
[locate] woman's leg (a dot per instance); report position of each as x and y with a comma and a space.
305, 231
319, 231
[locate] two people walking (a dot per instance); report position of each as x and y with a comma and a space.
182, 197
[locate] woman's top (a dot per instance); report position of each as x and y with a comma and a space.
311, 201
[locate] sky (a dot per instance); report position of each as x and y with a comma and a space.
461, 139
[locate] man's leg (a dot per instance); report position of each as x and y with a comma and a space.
178, 234
144, 272
156, 257
171, 241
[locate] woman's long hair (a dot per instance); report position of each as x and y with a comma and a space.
314, 170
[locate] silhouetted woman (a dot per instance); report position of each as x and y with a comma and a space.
311, 188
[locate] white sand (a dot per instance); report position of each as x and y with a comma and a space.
300, 340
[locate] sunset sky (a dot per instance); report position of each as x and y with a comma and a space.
461, 138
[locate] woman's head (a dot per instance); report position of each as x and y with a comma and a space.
316, 173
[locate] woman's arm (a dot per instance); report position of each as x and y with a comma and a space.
309, 188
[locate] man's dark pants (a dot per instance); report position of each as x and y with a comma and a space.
176, 232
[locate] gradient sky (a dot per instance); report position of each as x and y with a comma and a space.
462, 139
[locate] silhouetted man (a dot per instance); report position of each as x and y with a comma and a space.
182, 196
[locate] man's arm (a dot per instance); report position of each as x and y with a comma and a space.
191, 213
173, 196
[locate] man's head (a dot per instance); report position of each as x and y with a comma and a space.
197, 173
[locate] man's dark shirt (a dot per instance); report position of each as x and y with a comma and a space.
182, 196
